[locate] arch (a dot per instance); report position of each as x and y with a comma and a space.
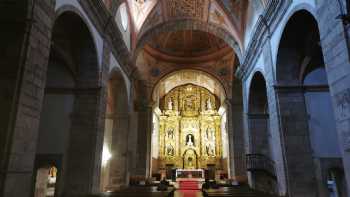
72, 93
74, 6
190, 159
187, 24
299, 57
117, 81
214, 85
260, 140
257, 99
300, 7
287, 70
298, 12
69, 19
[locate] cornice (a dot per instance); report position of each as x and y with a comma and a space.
265, 26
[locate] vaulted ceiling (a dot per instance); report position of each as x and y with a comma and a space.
170, 35
226, 14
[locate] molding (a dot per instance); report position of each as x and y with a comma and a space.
264, 28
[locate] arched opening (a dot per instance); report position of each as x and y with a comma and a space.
115, 144
305, 105
260, 162
67, 130
189, 135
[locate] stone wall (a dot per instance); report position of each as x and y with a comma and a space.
32, 60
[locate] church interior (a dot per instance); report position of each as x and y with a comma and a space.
175, 98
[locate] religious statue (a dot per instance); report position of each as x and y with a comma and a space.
210, 150
210, 134
209, 106
170, 133
170, 104
170, 150
189, 140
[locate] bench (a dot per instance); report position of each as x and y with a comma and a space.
140, 191
233, 191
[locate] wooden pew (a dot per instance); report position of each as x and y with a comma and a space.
233, 191
140, 191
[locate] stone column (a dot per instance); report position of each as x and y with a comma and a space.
299, 164
27, 70
85, 136
337, 60
118, 165
236, 136
144, 141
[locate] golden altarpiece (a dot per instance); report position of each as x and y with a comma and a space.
190, 132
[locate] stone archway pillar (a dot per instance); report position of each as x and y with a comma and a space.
299, 164
118, 164
26, 67
235, 127
144, 134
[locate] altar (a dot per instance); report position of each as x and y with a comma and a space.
187, 135
189, 174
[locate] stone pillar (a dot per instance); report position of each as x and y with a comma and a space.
236, 136
118, 165
144, 141
337, 60
299, 164
30, 53
85, 136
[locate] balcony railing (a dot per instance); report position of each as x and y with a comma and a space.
260, 162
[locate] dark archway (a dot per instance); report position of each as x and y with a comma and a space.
68, 125
260, 159
307, 118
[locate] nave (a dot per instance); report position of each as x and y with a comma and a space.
166, 97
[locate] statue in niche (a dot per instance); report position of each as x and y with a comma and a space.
170, 104
189, 140
170, 133
210, 134
210, 149
209, 106
170, 150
